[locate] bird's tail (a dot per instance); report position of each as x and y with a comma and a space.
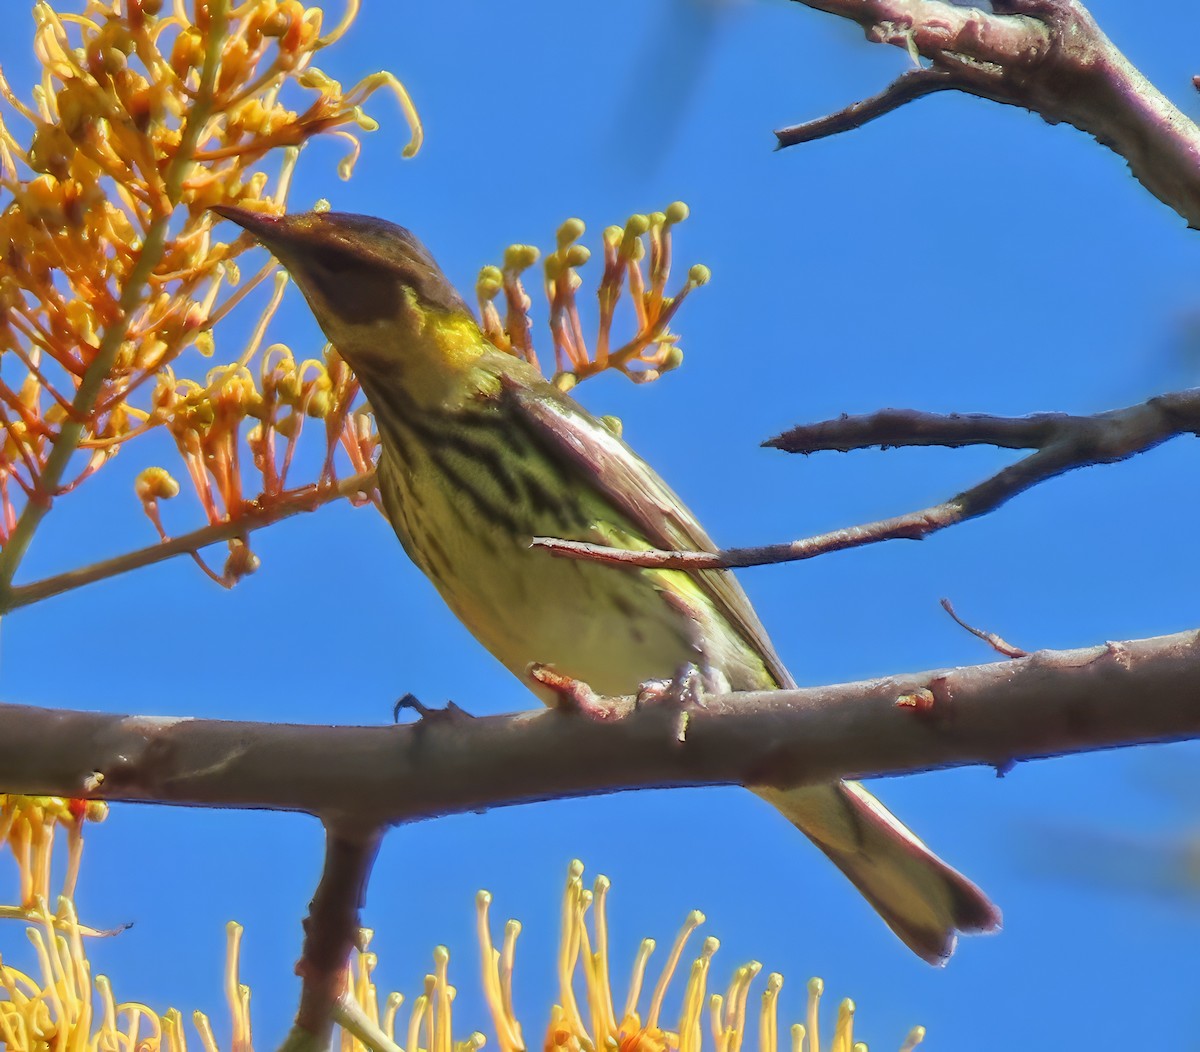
922, 899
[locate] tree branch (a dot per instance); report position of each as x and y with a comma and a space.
309, 499
1048, 56
1047, 704
1098, 438
1063, 443
331, 930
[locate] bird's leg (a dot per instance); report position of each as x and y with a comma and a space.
693, 680
572, 695
449, 711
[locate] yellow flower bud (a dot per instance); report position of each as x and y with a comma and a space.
187, 52
577, 255
571, 230
489, 283
241, 561
155, 484
677, 212
520, 257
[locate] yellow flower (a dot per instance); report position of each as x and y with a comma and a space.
651, 351
591, 1023
59, 1006
28, 828
56, 1004
145, 116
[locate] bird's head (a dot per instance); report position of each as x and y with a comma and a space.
377, 293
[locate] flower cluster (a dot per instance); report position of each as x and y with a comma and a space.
28, 829
148, 114
651, 351
581, 1025
113, 283
57, 1003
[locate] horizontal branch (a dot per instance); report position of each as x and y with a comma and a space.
1047, 704
256, 518
1048, 56
1063, 443
1099, 438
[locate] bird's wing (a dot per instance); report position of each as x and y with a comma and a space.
568, 432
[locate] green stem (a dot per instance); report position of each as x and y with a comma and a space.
292, 504
72, 429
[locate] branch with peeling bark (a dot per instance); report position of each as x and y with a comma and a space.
1062, 442
1048, 56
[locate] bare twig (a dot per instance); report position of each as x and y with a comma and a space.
913, 84
914, 526
999, 645
1063, 443
1048, 56
1050, 703
308, 499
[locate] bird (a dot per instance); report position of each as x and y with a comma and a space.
479, 453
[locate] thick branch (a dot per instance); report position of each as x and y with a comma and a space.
1048, 56
1063, 443
1047, 704
255, 519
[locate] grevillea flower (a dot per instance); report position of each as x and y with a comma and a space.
54, 1002
146, 115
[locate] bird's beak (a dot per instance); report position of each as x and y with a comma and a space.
266, 228
290, 239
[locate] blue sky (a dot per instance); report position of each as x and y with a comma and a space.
955, 256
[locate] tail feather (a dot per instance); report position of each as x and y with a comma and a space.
922, 899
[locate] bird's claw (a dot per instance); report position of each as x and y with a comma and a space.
425, 713
572, 695
685, 690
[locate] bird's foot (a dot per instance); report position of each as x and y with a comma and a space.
426, 714
685, 690
572, 695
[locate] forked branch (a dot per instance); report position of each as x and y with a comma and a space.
1062, 442
1048, 56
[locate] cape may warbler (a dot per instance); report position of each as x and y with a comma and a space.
480, 453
